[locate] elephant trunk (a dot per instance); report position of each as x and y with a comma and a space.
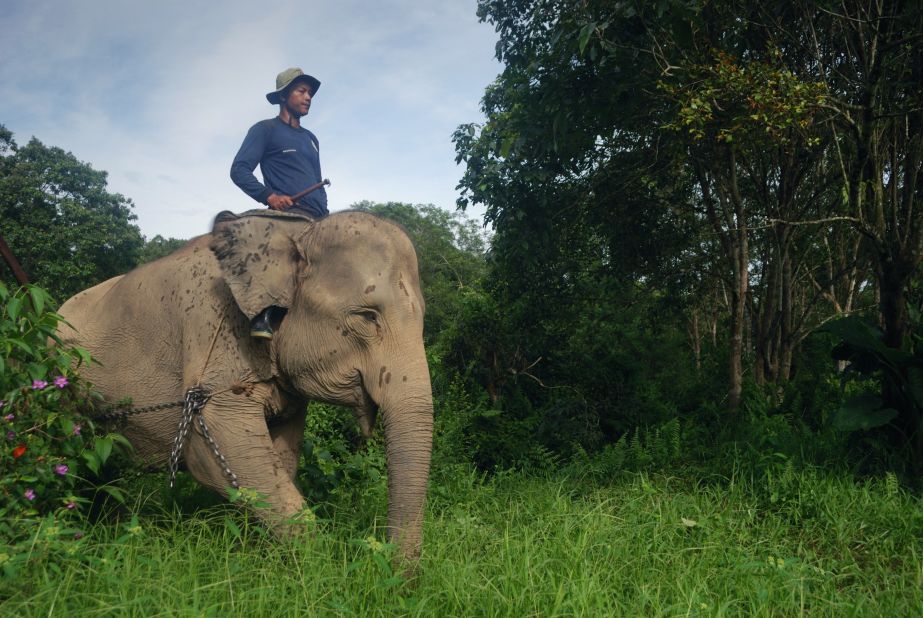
407, 422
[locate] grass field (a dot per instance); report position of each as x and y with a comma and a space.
793, 543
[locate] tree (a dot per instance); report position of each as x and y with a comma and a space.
723, 123
67, 230
158, 247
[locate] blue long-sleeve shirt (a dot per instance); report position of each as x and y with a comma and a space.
289, 160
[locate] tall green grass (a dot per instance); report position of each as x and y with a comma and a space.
797, 542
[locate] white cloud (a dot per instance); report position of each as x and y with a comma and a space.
161, 94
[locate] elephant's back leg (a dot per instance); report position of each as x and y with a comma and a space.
80, 310
287, 439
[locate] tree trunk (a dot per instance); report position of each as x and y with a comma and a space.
695, 337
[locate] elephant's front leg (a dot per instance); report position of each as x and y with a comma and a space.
238, 428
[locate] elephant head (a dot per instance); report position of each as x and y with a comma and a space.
352, 334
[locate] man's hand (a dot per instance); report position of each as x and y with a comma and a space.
279, 202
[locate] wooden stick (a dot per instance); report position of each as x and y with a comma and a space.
13, 262
315, 187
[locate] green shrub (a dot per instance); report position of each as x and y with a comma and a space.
49, 445
336, 457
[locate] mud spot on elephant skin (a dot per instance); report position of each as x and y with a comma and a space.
370, 289
400, 284
388, 378
405, 379
381, 376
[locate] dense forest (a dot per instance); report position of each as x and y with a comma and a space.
698, 284
703, 212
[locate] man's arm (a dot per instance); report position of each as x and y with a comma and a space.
249, 155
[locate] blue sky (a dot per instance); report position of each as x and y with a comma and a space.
161, 93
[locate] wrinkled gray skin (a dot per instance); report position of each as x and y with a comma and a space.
353, 336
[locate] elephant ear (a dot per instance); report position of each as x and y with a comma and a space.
260, 256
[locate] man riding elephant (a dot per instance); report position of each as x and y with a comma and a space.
289, 160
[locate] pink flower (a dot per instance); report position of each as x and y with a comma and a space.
38, 385
78, 535
60, 382
29, 494
10, 436
76, 430
61, 469
9, 418
70, 506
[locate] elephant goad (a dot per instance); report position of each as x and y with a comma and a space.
352, 335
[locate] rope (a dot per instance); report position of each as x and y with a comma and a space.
211, 347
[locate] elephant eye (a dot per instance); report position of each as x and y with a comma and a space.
371, 316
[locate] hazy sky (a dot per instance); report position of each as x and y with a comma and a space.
161, 93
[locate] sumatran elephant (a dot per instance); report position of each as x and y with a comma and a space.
352, 335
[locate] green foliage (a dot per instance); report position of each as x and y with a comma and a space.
645, 448
896, 374
336, 458
758, 101
900, 370
158, 247
66, 229
50, 446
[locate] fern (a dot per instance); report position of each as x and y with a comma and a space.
671, 428
892, 485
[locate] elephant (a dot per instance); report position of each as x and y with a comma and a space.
351, 335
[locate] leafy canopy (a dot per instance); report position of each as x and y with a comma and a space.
67, 230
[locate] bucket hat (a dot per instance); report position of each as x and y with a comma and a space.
288, 77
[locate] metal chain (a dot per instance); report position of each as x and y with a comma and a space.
224, 462
195, 400
123, 413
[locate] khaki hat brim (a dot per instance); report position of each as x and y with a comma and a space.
274, 97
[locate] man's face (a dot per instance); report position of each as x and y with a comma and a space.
298, 101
